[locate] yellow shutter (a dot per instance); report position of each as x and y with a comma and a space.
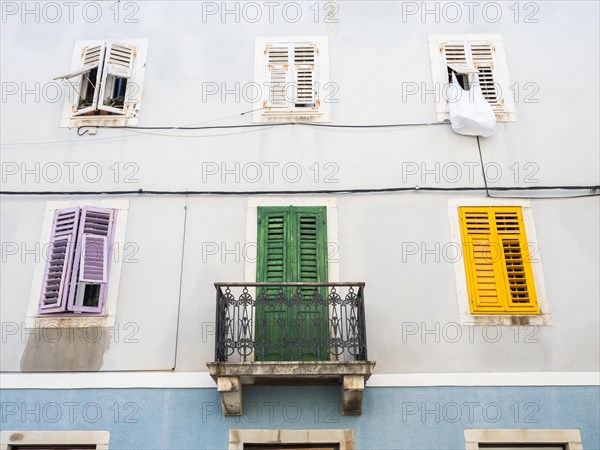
497, 262
520, 287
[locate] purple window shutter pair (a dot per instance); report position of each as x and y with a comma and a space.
86, 262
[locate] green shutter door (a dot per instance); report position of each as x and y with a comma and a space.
292, 246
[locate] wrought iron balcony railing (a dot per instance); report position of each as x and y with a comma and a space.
290, 322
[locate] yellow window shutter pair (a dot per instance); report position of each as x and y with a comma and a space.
497, 261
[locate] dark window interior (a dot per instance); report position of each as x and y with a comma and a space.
117, 100
87, 88
91, 295
291, 446
462, 79
115, 97
51, 447
522, 446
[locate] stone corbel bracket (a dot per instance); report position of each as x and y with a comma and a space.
231, 395
232, 377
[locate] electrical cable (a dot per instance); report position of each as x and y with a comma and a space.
487, 192
82, 130
594, 191
215, 127
136, 133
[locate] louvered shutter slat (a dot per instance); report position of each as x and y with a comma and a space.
456, 59
271, 307
278, 65
521, 293
304, 64
454, 53
119, 59
482, 55
92, 55
94, 257
60, 259
92, 260
275, 247
480, 254
307, 252
311, 266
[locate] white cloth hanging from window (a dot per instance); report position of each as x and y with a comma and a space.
470, 112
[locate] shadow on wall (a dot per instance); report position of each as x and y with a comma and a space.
65, 349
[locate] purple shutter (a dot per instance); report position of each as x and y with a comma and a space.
58, 271
92, 258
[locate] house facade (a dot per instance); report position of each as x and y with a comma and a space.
250, 225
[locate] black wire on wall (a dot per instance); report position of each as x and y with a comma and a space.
594, 190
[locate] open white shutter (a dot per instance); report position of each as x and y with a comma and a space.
454, 54
118, 67
278, 76
463, 69
119, 59
455, 58
305, 56
92, 57
475, 58
483, 56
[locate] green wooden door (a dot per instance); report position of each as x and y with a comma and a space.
292, 323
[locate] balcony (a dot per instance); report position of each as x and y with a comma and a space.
290, 334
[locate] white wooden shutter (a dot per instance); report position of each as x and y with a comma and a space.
483, 56
454, 53
475, 58
304, 70
456, 57
92, 57
118, 63
278, 76
463, 68
119, 59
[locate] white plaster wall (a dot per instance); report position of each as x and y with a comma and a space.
372, 52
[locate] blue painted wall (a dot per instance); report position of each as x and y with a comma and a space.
393, 418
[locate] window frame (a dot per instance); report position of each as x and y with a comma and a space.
440, 77
133, 94
15, 439
570, 438
75, 276
344, 439
322, 113
460, 273
81, 320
